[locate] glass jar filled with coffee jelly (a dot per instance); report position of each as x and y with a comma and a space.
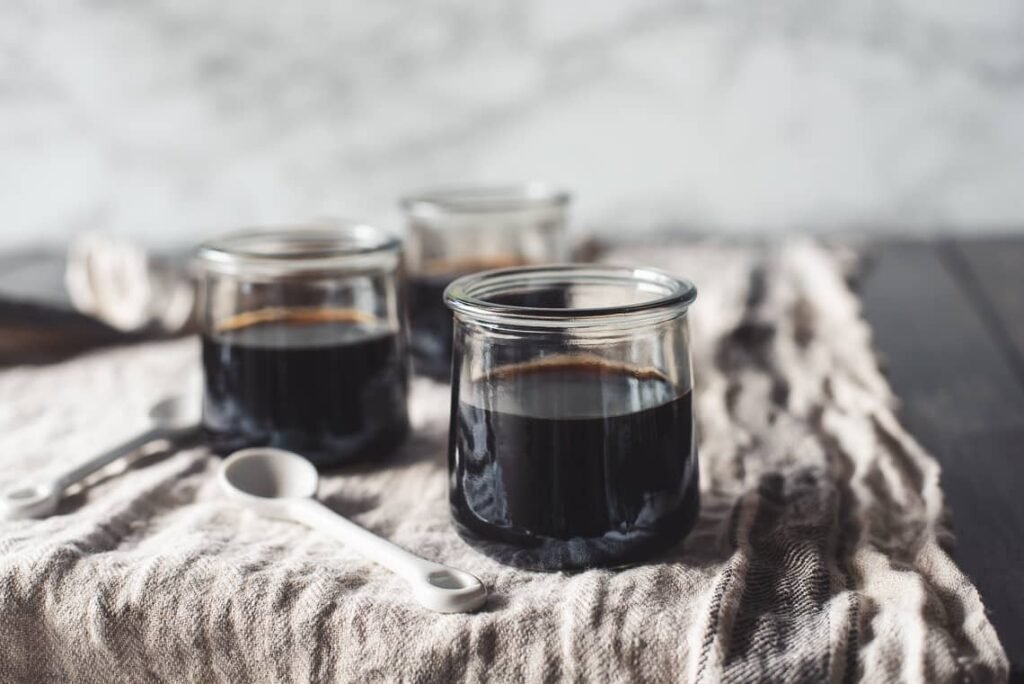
572, 435
459, 231
302, 342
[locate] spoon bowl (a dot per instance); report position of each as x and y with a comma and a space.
29, 500
268, 479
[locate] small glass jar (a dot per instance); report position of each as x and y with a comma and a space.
572, 434
460, 231
302, 342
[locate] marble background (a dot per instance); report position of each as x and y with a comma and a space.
169, 119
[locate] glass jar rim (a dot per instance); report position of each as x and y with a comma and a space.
484, 199
298, 247
671, 296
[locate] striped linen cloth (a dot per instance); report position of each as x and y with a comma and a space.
819, 553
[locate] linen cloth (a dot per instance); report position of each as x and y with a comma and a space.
818, 556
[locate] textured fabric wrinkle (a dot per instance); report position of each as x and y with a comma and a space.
816, 555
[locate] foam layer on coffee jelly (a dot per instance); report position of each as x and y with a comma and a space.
300, 327
570, 386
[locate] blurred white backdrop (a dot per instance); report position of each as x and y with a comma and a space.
166, 120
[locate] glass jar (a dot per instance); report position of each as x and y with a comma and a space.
302, 342
460, 231
572, 435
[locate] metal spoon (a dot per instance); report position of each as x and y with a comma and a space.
279, 484
170, 418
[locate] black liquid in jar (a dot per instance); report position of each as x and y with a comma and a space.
329, 384
431, 321
572, 464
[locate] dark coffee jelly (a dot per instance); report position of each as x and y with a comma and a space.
572, 464
329, 384
431, 321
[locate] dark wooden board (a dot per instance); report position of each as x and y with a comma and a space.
985, 489
936, 344
962, 398
993, 271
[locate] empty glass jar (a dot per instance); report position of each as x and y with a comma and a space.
302, 342
572, 435
460, 231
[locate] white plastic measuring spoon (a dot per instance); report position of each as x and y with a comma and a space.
279, 484
172, 417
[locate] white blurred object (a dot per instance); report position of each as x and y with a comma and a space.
117, 282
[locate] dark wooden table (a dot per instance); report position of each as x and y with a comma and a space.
948, 321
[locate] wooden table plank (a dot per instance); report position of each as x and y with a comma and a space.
937, 345
982, 480
962, 398
993, 270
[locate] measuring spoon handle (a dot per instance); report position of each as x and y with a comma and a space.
436, 587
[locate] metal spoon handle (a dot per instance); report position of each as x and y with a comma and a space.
83, 470
437, 587
38, 498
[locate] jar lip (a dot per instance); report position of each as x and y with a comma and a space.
481, 199
468, 295
298, 246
